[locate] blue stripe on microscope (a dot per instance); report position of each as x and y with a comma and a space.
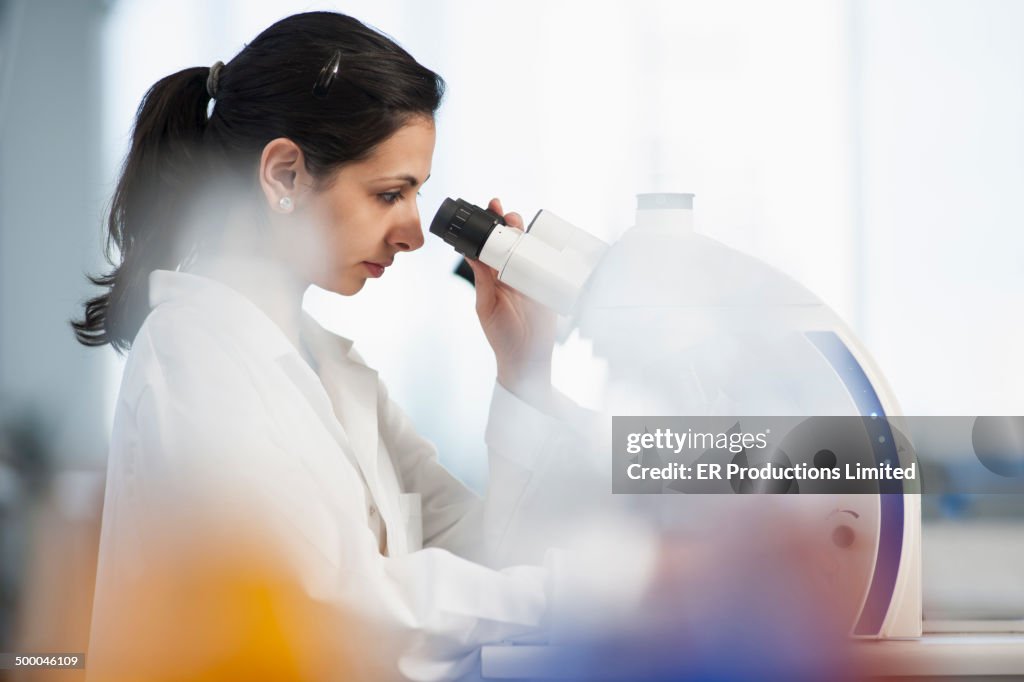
890, 541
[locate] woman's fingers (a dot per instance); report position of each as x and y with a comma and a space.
488, 287
483, 278
513, 218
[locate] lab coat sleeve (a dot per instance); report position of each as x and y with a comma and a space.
552, 462
206, 462
452, 514
454, 517
596, 578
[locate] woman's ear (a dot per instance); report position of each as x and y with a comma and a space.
283, 175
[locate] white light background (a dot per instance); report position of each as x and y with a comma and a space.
872, 150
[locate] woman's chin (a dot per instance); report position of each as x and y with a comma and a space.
350, 286
344, 285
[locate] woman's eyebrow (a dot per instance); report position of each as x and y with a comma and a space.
411, 179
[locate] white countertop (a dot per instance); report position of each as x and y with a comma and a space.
948, 654
945, 654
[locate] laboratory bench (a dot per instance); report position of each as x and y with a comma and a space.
949, 655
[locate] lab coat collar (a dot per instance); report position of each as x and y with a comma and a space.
245, 318
233, 310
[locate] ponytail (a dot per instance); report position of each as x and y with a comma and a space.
163, 165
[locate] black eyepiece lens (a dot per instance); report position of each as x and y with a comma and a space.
465, 226
443, 217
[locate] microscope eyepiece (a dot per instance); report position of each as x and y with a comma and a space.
464, 226
550, 263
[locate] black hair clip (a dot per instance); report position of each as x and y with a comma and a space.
327, 76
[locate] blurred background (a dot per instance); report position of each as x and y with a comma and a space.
871, 149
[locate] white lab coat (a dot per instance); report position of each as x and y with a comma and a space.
214, 394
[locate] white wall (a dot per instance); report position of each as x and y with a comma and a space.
942, 86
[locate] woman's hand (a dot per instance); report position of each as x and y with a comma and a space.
520, 330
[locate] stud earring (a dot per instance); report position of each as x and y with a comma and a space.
286, 204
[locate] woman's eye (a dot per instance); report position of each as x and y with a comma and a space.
390, 197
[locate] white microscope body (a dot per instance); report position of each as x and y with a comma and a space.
689, 326
726, 334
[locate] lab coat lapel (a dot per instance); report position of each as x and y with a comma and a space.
353, 391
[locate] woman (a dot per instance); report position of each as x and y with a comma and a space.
237, 412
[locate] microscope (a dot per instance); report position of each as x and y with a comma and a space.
690, 326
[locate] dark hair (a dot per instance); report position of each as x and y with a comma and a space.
264, 92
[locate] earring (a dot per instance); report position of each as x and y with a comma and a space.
286, 204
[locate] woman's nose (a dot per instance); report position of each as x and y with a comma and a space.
408, 235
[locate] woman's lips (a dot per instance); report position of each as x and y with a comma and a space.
375, 269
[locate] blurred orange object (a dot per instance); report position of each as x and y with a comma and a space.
231, 611
217, 606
